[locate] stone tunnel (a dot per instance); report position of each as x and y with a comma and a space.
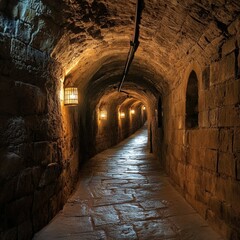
183, 82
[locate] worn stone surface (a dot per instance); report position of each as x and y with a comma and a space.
149, 210
207, 171
85, 43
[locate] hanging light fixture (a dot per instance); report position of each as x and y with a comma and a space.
103, 115
144, 108
132, 111
122, 115
71, 96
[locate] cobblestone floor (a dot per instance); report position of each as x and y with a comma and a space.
124, 194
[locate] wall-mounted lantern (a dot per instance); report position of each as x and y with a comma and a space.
103, 115
132, 111
122, 115
71, 96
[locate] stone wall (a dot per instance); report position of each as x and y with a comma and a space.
114, 129
37, 171
42, 142
204, 162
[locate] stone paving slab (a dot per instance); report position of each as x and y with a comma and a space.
124, 194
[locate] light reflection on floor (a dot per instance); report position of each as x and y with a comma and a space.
124, 194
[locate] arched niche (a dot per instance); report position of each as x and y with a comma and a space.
191, 120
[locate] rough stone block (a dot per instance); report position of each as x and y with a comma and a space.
192, 138
44, 37
236, 144
193, 174
8, 104
15, 132
208, 182
178, 109
18, 50
40, 217
190, 188
201, 195
177, 137
25, 183
228, 67
8, 190
204, 119
45, 153
35, 58
50, 175
234, 216
233, 28
201, 102
215, 96
214, 73
23, 32
229, 117
206, 78
36, 175
218, 95
18, 211
13, 9
226, 212
10, 165
31, 99
213, 117
44, 127
28, 15
7, 27
42, 196
226, 164
178, 152
223, 70
232, 95
228, 46
210, 161
195, 156
223, 191
24, 150
209, 138
215, 205
5, 46
55, 204
226, 140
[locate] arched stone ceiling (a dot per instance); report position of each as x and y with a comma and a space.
172, 33
134, 92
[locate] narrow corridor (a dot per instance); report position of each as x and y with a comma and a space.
124, 194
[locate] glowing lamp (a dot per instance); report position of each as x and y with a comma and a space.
144, 108
122, 114
132, 111
103, 115
71, 96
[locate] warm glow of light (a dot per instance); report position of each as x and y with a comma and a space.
132, 111
103, 115
70, 96
144, 108
122, 115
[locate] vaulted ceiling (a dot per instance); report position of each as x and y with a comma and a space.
95, 35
